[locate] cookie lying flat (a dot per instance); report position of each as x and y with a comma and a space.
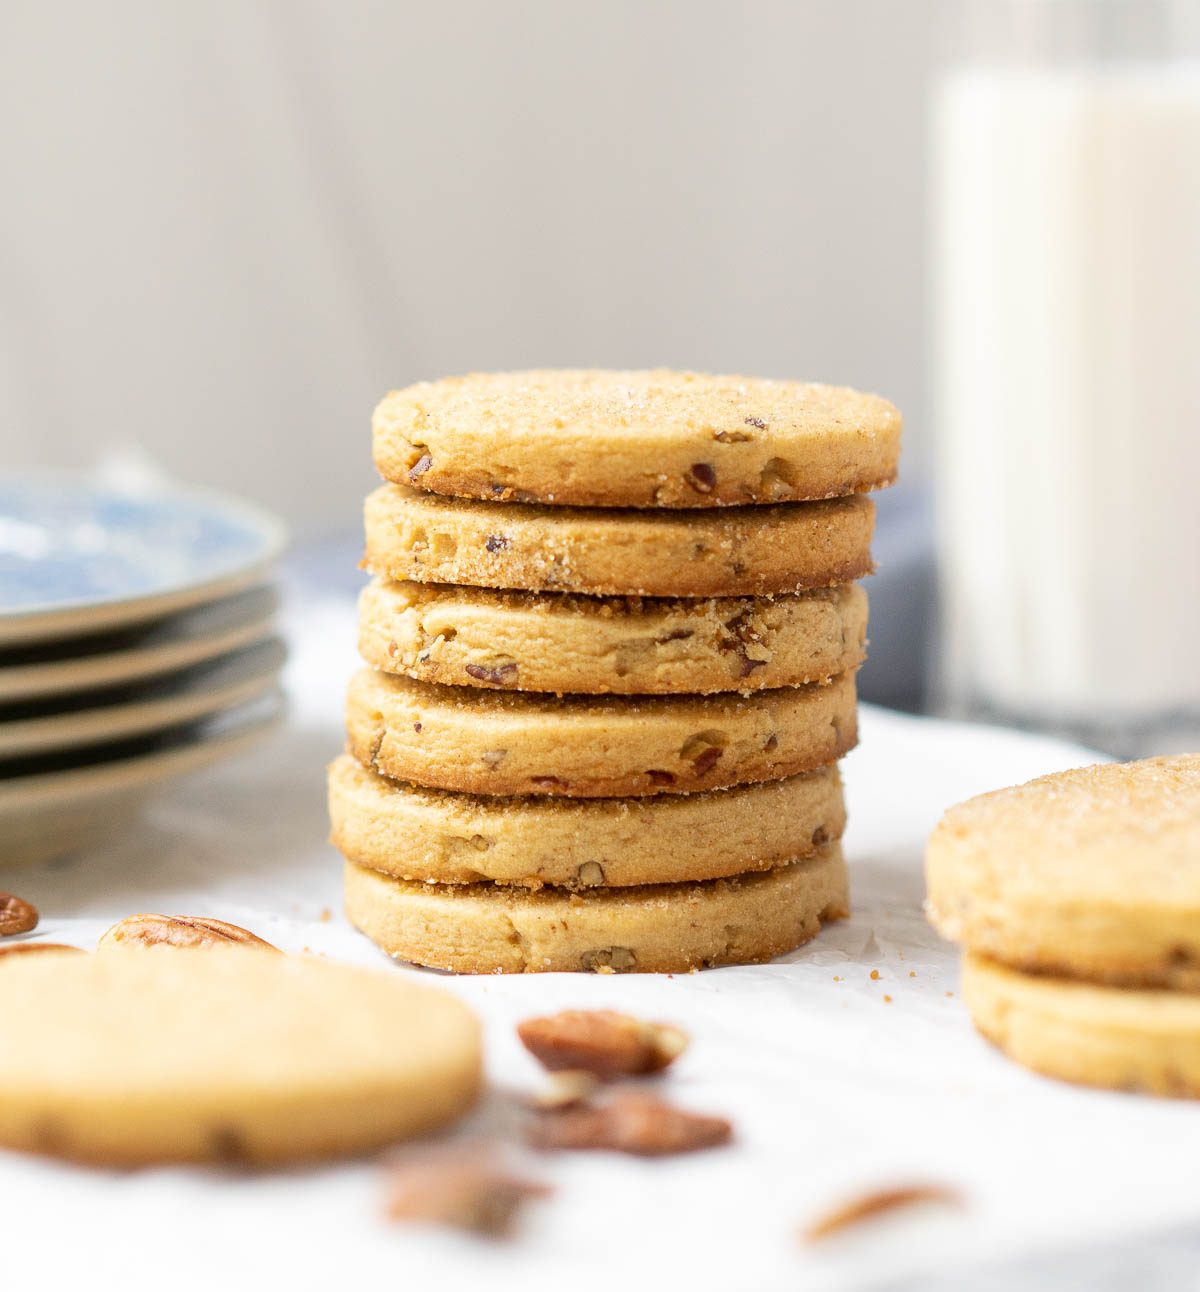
735, 552
492, 742
635, 439
441, 837
1092, 873
548, 641
223, 1055
661, 928
1117, 1037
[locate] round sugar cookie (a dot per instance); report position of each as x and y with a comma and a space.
438, 836
734, 552
223, 1055
498, 742
1119, 1037
1092, 873
635, 439
559, 642
659, 928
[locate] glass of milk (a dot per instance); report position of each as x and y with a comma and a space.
1066, 254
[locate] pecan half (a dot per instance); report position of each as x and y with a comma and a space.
493, 675
603, 1042
16, 915
876, 1203
16, 947
177, 931
632, 1122
462, 1189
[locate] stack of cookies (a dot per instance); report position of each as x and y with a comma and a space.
612, 639
1077, 898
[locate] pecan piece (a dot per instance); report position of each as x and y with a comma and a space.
463, 1189
494, 675
702, 477
632, 1122
566, 1089
16, 947
603, 1042
16, 915
876, 1203
660, 777
420, 466
704, 762
177, 931
756, 421
496, 543
733, 437
549, 784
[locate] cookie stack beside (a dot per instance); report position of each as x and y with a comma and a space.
1077, 899
611, 644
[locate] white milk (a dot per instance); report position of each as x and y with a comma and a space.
1067, 258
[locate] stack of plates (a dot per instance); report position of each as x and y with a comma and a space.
136, 643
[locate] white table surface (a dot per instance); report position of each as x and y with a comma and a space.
832, 1088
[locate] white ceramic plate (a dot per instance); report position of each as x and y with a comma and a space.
136, 710
78, 557
187, 638
50, 813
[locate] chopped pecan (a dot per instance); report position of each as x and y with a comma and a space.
661, 778
463, 1189
493, 675
772, 742
706, 760
702, 477
13, 948
548, 784
756, 421
631, 1122
420, 466
876, 1203
496, 543
732, 437
16, 915
177, 931
601, 1041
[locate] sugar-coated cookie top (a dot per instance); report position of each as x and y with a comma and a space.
636, 438
1110, 832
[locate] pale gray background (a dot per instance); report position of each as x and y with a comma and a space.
227, 228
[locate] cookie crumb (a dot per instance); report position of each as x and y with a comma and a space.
875, 974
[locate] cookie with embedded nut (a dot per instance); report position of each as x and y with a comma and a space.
1122, 1038
656, 928
737, 551
559, 642
496, 742
635, 439
1092, 873
438, 836
232, 1055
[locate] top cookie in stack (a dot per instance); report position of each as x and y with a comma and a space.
613, 634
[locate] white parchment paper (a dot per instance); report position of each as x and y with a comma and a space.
832, 1087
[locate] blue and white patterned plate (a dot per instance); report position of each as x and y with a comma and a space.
77, 557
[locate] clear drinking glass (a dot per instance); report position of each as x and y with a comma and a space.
1066, 253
